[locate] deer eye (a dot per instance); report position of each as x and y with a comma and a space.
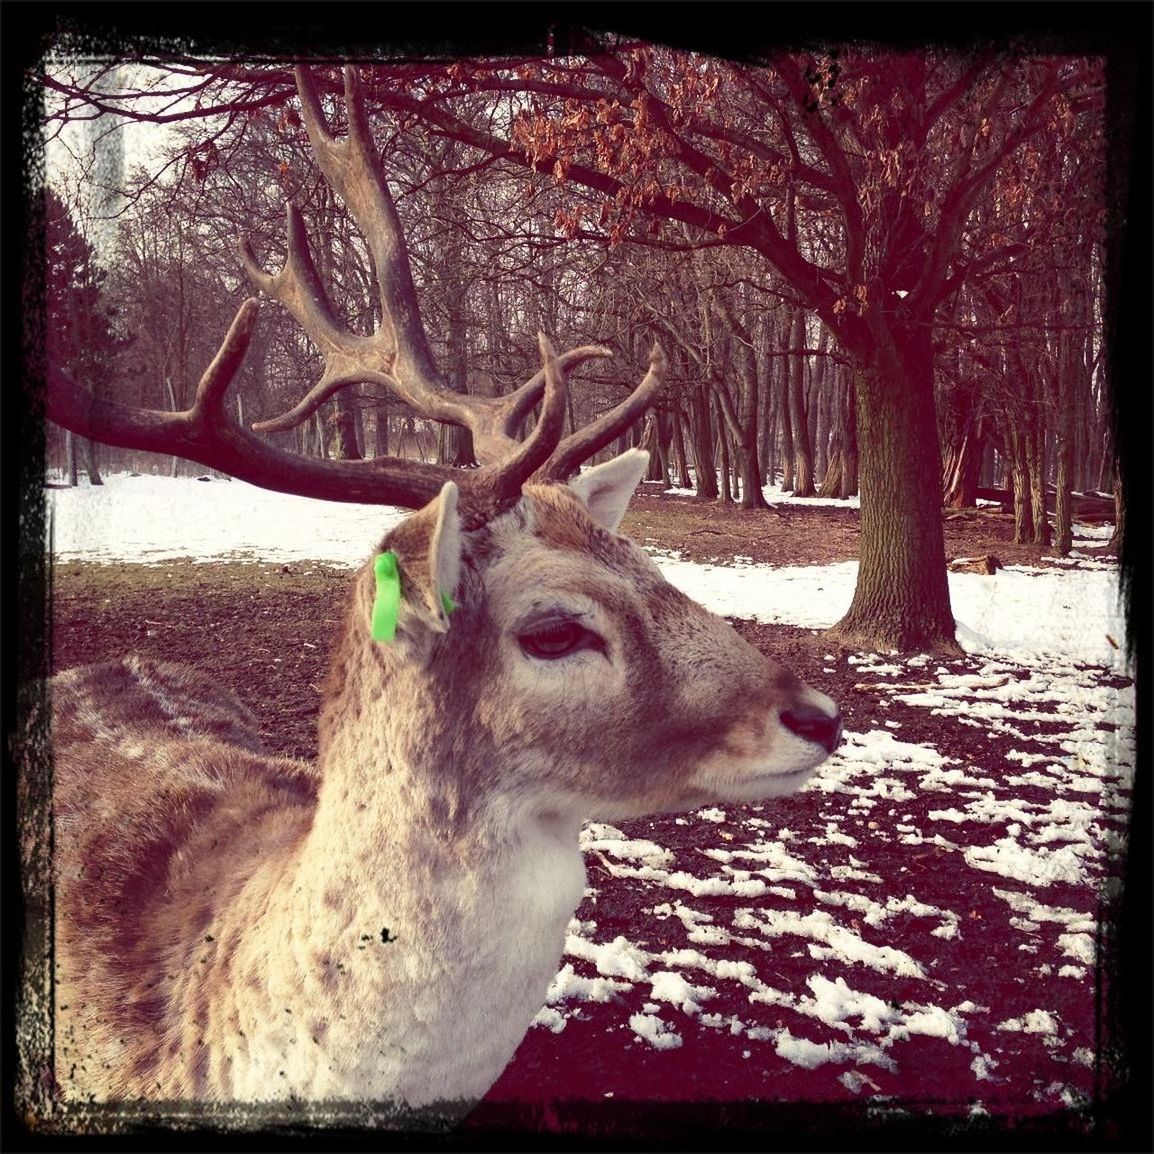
558, 639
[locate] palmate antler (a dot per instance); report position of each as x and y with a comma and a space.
396, 355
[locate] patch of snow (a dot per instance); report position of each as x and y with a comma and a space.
668, 986
828, 939
660, 1035
1035, 1022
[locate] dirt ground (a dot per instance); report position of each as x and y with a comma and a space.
800, 534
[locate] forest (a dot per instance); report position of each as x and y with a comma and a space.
867, 270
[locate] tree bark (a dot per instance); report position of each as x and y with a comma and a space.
90, 462
1116, 538
767, 458
1069, 383
902, 598
70, 458
823, 406
1036, 463
802, 449
455, 443
726, 494
703, 457
963, 462
343, 444
840, 478
658, 468
849, 469
786, 431
683, 478
1020, 487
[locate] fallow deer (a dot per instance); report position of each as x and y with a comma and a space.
382, 926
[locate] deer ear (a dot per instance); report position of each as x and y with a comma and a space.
445, 554
606, 489
428, 549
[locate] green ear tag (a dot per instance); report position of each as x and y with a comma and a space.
447, 603
388, 599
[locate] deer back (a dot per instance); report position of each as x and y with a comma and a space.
163, 805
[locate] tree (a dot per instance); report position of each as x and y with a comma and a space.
79, 335
882, 159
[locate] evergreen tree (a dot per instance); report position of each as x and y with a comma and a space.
79, 333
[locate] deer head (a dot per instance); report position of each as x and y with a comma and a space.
570, 674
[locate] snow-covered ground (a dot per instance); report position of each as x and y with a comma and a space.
1021, 611
926, 924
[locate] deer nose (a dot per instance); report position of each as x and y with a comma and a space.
814, 724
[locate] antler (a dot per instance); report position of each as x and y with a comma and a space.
397, 355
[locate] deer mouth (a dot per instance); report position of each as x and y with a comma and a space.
753, 784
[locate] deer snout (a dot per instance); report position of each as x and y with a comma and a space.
819, 722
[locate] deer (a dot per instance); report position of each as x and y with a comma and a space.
382, 926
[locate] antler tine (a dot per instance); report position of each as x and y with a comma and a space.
401, 360
582, 444
493, 429
353, 168
499, 486
397, 356
298, 286
73, 407
517, 405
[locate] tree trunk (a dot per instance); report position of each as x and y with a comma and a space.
381, 442
902, 598
658, 467
768, 457
1020, 486
726, 494
840, 478
683, 479
823, 402
173, 407
343, 429
962, 465
455, 443
850, 458
1069, 383
70, 458
1115, 543
90, 462
1036, 463
703, 457
786, 433
802, 450
749, 464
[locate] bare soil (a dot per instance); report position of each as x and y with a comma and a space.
801, 534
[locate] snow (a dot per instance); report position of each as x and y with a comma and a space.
804, 941
660, 1035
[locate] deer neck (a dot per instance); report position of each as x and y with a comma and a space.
426, 914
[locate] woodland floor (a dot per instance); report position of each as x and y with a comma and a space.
265, 629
